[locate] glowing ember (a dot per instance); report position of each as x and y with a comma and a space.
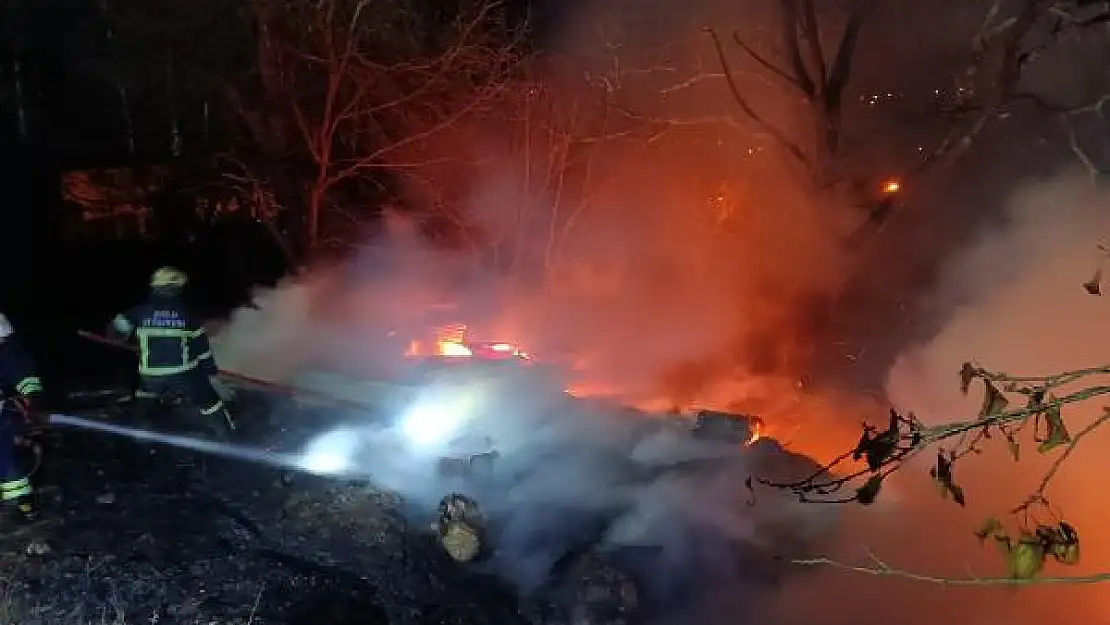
892, 186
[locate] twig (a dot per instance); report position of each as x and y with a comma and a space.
880, 568
963, 438
1064, 455
257, 601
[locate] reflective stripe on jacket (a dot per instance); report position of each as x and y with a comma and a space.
170, 340
17, 370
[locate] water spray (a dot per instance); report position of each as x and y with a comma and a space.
298, 462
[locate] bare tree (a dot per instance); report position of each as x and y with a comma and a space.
159, 82
13, 87
1014, 46
555, 142
809, 67
804, 74
818, 71
366, 84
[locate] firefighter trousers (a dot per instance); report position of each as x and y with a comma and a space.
15, 484
211, 414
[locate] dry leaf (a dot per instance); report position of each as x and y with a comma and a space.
1065, 546
942, 478
878, 449
1057, 432
1002, 541
1066, 554
992, 527
867, 493
994, 402
1015, 447
967, 374
1026, 559
1094, 285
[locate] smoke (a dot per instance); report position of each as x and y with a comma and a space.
668, 508
663, 272
1019, 308
682, 271
569, 475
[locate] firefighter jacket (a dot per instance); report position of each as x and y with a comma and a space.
17, 371
171, 341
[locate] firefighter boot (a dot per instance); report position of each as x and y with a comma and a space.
20, 510
26, 509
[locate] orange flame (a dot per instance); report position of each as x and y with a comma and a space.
452, 349
757, 430
892, 186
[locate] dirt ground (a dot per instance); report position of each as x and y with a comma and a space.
133, 535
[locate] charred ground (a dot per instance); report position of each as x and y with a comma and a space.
139, 534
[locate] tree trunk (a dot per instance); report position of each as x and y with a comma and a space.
316, 196
20, 104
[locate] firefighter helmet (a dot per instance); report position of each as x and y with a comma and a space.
5, 327
168, 278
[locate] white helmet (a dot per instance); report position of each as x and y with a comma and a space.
5, 327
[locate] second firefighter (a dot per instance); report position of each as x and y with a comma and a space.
174, 352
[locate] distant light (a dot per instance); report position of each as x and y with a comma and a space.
892, 186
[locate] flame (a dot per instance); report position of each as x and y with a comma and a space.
450, 342
453, 342
757, 430
442, 347
452, 349
891, 187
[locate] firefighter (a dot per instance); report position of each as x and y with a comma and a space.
174, 353
21, 390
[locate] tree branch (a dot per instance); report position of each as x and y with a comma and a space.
905, 438
811, 32
790, 40
879, 568
775, 70
746, 107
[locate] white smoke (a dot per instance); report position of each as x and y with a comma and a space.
569, 472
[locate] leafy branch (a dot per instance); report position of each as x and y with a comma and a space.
858, 475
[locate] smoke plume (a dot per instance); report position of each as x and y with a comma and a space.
1020, 308
570, 474
677, 270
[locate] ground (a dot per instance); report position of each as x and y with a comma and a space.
136, 535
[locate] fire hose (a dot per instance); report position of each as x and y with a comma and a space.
282, 390
459, 521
